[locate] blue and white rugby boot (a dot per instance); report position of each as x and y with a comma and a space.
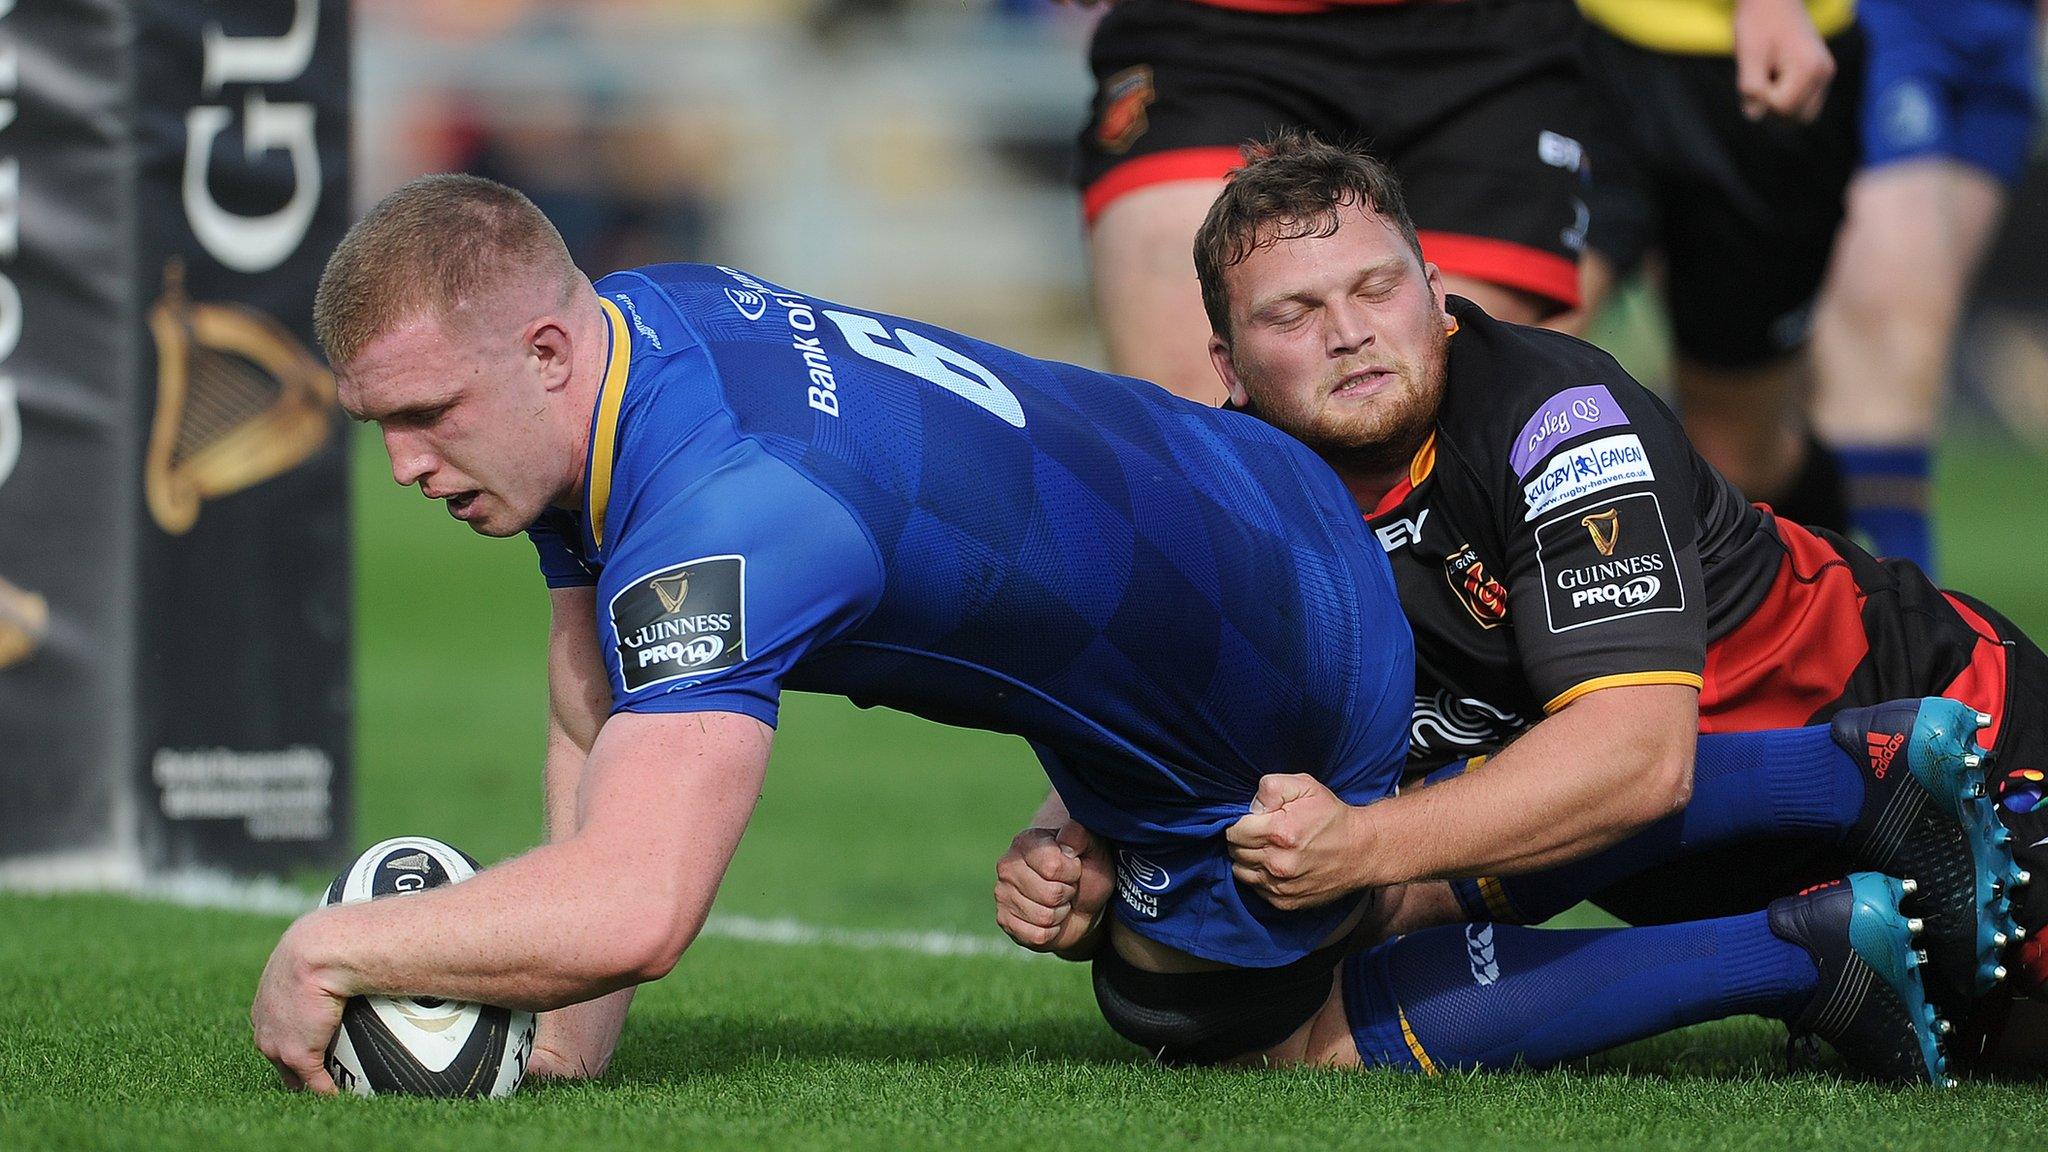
1926, 816
1870, 1006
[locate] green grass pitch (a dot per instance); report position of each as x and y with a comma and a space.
125, 1024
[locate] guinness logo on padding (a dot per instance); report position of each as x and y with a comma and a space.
239, 401
24, 618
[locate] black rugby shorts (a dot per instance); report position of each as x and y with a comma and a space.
1744, 212
1478, 107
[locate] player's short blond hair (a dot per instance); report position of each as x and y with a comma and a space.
426, 249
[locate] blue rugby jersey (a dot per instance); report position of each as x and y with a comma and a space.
1168, 601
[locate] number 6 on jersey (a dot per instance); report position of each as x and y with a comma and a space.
926, 359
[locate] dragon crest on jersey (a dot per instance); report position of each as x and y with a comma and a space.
1482, 595
1124, 100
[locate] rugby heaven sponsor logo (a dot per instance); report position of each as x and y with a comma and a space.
1139, 882
687, 619
1579, 472
1565, 416
1608, 564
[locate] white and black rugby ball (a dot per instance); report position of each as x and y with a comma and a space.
421, 1046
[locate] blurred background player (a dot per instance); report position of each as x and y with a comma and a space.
1733, 137
1948, 115
1476, 104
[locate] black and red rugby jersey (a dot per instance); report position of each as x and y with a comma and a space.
1557, 534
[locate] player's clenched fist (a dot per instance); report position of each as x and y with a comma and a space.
1298, 846
1051, 888
1782, 66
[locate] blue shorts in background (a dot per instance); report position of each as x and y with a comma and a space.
1952, 79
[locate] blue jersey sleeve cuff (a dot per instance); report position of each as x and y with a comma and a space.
766, 711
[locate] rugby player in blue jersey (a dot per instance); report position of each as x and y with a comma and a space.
736, 488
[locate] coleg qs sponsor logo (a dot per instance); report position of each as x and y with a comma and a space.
1570, 413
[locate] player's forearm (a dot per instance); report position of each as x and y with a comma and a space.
1053, 812
539, 932
561, 775
664, 800
577, 1040
579, 700
1576, 783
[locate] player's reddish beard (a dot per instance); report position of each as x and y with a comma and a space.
1373, 436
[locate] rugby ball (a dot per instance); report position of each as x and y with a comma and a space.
420, 1045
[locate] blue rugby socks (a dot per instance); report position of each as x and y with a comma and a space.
1746, 786
1497, 995
1888, 499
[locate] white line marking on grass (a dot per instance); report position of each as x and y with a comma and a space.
787, 931
264, 897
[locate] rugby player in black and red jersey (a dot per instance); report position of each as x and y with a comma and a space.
1589, 599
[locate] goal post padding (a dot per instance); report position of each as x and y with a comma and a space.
175, 605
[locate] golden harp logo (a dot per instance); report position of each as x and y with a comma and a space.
1605, 529
24, 618
672, 590
239, 401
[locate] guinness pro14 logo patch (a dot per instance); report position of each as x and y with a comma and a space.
1608, 562
683, 620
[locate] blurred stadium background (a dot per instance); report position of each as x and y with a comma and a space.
907, 155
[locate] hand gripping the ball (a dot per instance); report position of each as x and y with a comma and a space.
295, 1016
